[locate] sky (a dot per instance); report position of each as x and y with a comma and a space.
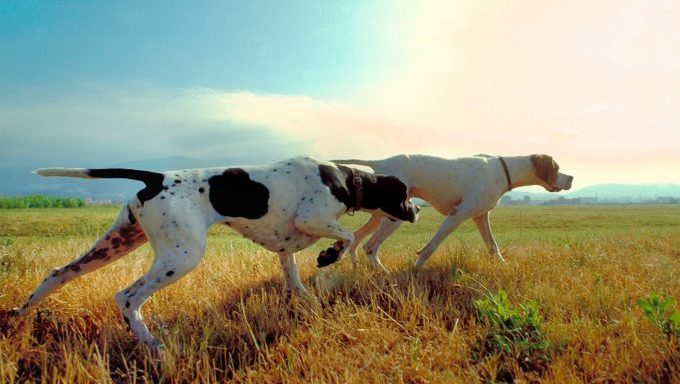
595, 84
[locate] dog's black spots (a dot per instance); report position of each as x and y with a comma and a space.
201, 190
234, 194
327, 257
75, 267
162, 197
55, 274
127, 304
170, 273
116, 242
306, 177
302, 199
275, 170
94, 254
172, 193
158, 280
30, 297
178, 181
152, 180
288, 172
131, 218
165, 188
126, 292
127, 321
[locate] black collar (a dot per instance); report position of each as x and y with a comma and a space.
507, 174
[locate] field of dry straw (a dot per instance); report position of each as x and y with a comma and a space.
572, 280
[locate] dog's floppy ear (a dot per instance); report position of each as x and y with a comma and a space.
545, 168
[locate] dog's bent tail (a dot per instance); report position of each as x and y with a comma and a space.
152, 180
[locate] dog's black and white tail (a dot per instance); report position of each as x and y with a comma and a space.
106, 173
152, 180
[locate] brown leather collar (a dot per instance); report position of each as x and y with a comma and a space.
507, 174
358, 191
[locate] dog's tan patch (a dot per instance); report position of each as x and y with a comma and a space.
545, 168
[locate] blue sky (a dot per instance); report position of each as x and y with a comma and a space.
316, 48
96, 83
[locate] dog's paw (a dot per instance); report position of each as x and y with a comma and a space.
327, 257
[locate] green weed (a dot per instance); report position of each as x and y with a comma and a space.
658, 312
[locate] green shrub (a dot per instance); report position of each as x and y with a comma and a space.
40, 201
658, 312
514, 333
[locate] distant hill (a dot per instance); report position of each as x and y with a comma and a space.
604, 193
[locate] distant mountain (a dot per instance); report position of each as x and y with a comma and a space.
628, 190
604, 193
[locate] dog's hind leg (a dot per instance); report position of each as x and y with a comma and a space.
124, 236
361, 233
450, 223
177, 253
386, 229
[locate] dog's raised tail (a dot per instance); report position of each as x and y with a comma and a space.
366, 163
65, 172
106, 173
152, 180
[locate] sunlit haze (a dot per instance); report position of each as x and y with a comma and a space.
594, 84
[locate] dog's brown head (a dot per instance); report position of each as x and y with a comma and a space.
548, 173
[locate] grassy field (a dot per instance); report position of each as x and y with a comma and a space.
582, 267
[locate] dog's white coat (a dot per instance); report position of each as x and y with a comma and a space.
460, 188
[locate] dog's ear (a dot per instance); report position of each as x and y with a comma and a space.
545, 168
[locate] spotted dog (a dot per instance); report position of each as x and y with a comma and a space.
284, 207
460, 188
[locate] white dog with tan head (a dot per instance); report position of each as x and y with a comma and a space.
459, 188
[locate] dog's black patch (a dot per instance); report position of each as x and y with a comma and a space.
327, 257
337, 180
153, 180
170, 273
234, 194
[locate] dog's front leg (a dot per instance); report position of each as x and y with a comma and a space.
330, 228
291, 274
484, 228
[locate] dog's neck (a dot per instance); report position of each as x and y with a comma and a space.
521, 171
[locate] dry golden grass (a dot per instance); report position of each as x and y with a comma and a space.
228, 319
